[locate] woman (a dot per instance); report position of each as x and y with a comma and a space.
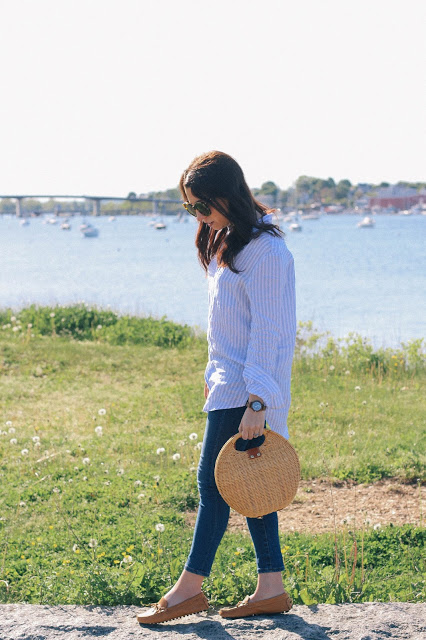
251, 336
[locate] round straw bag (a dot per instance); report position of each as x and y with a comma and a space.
260, 480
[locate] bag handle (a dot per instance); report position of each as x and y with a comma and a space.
248, 445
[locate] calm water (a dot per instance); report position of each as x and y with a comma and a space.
371, 281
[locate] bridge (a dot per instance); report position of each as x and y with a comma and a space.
95, 200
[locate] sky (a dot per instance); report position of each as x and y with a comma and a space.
103, 97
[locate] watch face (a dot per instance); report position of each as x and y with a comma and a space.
256, 405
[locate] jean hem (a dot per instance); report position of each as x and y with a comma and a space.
197, 572
271, 570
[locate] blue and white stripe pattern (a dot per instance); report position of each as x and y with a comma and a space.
252, 329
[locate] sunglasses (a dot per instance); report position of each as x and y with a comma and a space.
199, 206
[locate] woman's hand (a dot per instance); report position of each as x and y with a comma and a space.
206, 390
252, 424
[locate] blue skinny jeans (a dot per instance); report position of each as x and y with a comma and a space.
213, 512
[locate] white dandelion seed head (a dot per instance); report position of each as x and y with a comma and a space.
15, 329
198, 445
102, 412
160, 527
140, 496
93, 543
84, 478
160, 450
99, 327
351, 433
22, 504
29, 325
37, 444
193, 436
176, 456
192, 469
347, 372
364, 402
357, 388
137, 483
157, 478
332, 367
52, 315
98, 430
13, 319
13, 441
86, 460
127, 559
107, 483
12, 429
120, 472
75, 547
24, 452
9, 423
56, 490
377, 526
36, 439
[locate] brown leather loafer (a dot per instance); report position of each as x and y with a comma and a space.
277, 604
161, 612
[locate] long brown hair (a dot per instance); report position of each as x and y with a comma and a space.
215, 177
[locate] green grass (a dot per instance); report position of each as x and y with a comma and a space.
53, 501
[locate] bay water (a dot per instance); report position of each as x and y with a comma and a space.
348, 279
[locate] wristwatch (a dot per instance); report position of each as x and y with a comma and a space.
256, 405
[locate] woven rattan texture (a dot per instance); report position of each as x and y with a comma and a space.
260, 485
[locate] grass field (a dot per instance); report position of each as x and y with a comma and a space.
100, 425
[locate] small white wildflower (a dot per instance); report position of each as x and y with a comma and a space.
193, 436
93, 543
98, 430
102, 412
75, 548
176, 456
56, 490
13, 441
137, 483
24, 452
160, 450
140, 496
160, 527
9, 423
332, 367
12, 429
357, 388
86, 460
120, 472
52, 315
36, 439
22, 504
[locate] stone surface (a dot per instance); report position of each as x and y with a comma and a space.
371, 621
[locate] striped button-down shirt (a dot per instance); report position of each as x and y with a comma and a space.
252, 330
